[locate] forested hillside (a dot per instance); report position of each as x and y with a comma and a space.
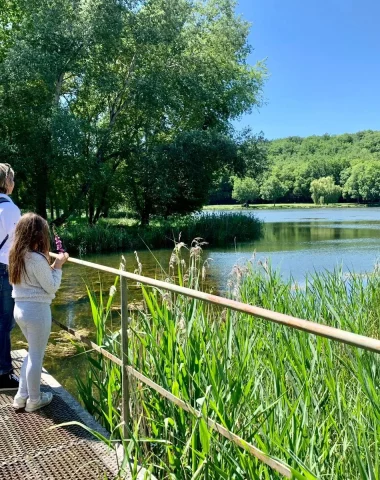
292, 164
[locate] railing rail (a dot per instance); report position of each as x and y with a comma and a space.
343, 336
360, 341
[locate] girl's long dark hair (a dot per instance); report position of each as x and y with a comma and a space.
31, 234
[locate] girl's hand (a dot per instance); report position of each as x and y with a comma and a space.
60, 260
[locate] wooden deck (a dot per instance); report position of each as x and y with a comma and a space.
30, 450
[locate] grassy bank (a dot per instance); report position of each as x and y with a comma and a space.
117, 235
261, 206
308, 401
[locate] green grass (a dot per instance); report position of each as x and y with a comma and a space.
270, 206
310, 402
117, 235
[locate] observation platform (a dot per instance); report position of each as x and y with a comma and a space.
31, 450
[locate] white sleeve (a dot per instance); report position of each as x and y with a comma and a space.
10, 218
48, 278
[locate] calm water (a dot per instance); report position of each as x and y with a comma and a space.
300, 241
297, 241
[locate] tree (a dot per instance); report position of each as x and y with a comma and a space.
273, 189
10, 17
40, 74
253, 152
246, 190
175, 177
251, 161
363, 181
350, 179
97, 89
325, 191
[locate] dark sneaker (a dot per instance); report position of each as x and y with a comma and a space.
8, 381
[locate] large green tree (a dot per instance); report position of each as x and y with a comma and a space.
324, 191
363, 181
246, 190
97, 95
174, 177
272, 189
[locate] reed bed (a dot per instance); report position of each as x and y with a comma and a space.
114, 235
307, 401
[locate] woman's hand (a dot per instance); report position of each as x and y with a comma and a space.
60, 260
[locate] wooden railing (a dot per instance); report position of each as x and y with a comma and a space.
343, 336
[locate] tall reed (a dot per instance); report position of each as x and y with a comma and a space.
312, 403
219, 229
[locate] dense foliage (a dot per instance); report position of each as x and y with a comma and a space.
351, 161
310, 402
107, 102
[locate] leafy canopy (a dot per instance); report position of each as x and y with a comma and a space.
112, 93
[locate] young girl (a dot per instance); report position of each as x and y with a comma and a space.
34, 285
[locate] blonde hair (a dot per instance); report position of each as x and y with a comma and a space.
6, 173
31, 234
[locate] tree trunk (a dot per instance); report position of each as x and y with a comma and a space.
41, 203
41, 182
51, 207
144, 220
106, 210
91, 209
103, 206
144, 217
102, 203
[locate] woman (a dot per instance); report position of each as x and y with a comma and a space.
9, 216
35, 283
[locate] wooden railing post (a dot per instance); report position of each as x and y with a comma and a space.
126, 414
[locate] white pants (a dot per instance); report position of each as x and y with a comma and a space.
34, 319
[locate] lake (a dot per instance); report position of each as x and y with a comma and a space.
297, 241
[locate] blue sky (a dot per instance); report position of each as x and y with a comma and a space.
323, 59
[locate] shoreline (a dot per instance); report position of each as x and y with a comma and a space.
289, 206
